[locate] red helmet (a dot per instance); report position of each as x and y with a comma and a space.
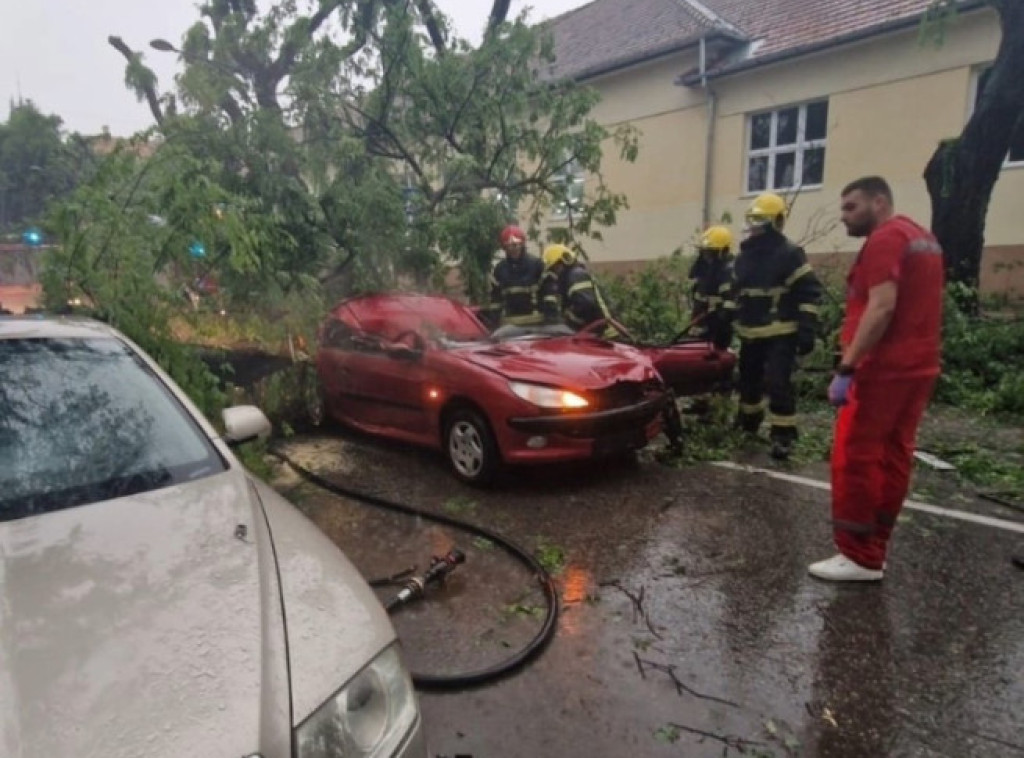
512, 234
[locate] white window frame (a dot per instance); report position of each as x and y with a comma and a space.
574, 178
972, 102
799, 147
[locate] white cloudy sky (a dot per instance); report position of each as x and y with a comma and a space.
55, 52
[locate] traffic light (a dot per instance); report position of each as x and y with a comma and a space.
197, 249
32, 237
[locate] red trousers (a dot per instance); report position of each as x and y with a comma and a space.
872, 457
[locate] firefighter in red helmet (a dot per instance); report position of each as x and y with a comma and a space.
515, 282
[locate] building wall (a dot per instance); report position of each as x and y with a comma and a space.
891, 101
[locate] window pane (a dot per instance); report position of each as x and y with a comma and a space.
817, 121
785, 165
785, 133
757, 174
760, 131
814, 166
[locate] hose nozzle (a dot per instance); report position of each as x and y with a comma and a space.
415, 586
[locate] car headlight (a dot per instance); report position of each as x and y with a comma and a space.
548, 397
369, 716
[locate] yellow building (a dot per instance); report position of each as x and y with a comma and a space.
733, 97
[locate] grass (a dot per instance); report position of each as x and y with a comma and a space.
551, 557
459, 506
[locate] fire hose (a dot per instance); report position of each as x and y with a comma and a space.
414, 587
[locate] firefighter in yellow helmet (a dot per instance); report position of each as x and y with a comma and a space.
568, 293
711, 287
776, 319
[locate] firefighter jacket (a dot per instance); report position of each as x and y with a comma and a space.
775, 289
515, 288
713, 302
572, 296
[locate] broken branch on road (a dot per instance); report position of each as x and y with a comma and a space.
638, 604
680, 686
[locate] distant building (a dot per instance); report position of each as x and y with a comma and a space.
105, 144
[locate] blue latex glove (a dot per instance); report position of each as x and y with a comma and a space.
839, 390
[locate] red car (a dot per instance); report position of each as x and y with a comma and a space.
425, 370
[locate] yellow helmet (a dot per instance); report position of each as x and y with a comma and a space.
558, 254
717, 238
768, 209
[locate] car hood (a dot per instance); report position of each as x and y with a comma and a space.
580, 363
133, 626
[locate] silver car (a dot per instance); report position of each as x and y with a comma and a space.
155, 599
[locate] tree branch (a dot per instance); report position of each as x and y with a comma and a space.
148, 90
497, 17
962, 172
392, 138
426, 9
231, 108
303, 30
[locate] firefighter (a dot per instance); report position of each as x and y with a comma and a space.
776, 319
515, 282
569, 294
711, 287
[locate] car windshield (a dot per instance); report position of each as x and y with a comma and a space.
84, 420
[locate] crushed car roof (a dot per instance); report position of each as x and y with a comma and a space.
390, 314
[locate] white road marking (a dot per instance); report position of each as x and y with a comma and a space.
997, 523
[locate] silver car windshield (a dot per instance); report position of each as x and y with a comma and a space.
85, 420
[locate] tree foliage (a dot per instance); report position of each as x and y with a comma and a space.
37, 163
366, 144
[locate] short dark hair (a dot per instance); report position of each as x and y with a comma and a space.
869, 185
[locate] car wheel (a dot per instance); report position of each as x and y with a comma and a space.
470, 446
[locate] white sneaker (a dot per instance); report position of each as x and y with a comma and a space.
839, 568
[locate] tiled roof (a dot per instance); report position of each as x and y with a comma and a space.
787, 24
609, 34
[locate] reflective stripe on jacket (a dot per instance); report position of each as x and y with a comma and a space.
776, 291
572, 295
515, 287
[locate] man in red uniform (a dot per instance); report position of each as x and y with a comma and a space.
891, 341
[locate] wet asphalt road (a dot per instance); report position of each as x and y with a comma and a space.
689, 626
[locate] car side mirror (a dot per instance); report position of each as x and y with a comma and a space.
244, 423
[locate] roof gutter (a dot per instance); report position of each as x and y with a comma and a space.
677, 47
709, 137
701, 77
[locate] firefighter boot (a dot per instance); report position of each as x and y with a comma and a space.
781, 449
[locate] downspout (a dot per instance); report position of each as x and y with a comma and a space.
711, 101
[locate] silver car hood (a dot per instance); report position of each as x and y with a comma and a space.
133, 627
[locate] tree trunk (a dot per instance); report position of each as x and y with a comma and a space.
962, 172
